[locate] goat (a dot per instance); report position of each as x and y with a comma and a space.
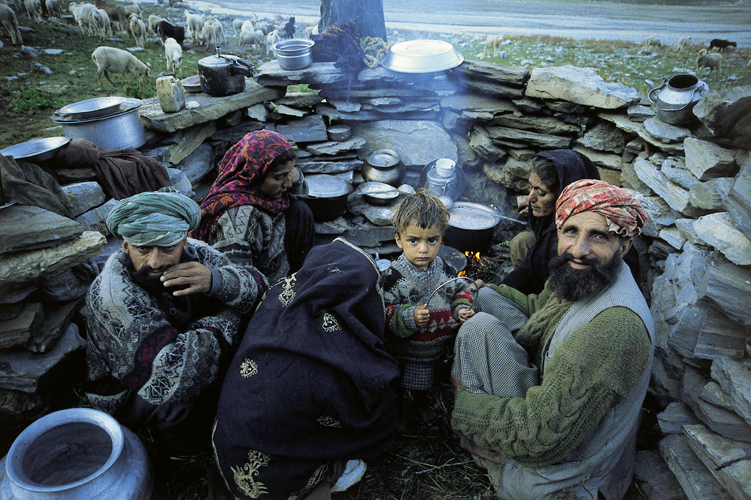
492, 42
652, 41
709, 60
684, 43
112, 60
118, 16
721, 44
152, 21
212, 32
174, 54
289, 28
167, 30
10, 23
195, 25
54, 8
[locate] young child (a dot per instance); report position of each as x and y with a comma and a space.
417, 332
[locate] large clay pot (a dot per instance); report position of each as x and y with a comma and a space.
79, 453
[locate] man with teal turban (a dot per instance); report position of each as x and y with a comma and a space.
162, 319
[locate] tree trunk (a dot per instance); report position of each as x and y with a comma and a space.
366, 14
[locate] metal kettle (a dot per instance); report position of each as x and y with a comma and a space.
676, 98
223, 75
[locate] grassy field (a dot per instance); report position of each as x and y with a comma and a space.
33, 88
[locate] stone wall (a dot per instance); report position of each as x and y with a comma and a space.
694, 182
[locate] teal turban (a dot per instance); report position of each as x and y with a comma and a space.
155, 218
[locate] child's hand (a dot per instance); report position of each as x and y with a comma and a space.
464, 314
422, 315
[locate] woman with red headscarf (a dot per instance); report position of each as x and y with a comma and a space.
249, 214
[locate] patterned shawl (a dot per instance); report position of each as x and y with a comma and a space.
311, 382
624, 213
240, 171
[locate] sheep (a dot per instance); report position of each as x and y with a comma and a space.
721, 44
54, 8
237, 25
195, 25
289, 28
105, 21
10, 23
212, 32
271, 39
492, 42
256, 38
310, 31
709, 60
137, 29
82, 15
100, 22
112, 60
33, 9
118, 16
174, 54
152, 21
133, 9
166, 30
652, 41
684, 43
247, 26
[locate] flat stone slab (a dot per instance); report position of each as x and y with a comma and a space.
210, 108
26, 227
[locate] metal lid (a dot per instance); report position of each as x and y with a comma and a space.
92, 108
327, 186
422, 56
35, 149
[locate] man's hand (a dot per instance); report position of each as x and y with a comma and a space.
472, 447
476, 285
464, 314
191, 276
422, 315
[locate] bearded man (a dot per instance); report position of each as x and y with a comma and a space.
549, 387
163, 319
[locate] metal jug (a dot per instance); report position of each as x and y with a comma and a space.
676, 98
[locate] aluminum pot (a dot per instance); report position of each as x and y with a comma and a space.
78, 453
471, 227
294, 54
676, 97
119, 130
384, 165
223, 75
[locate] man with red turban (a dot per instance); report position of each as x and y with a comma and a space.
549, 387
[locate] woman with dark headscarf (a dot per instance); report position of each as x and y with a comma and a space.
311, 386
249, 214
551, 171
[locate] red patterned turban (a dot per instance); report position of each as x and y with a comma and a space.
624, 213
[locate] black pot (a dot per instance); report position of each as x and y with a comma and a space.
326, 209
327, 196
222, 75
468, 240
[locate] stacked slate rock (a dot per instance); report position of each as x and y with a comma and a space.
46, 268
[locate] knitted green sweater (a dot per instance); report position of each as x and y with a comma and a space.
593, 370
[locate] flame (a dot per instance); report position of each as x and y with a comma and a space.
472, 258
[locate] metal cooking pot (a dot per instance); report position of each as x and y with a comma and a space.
384, 165
327, 196
471, 227
675, 98
223, 75
118, 130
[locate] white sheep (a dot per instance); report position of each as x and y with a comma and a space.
137, 29
54, 8
82, 15
34, 9
10, 23
237, 25
174, 54
247, 26
113, 60
492, 42
711, 60
133, 9
195, 24
256, 38
152, 21
311, 30
272, 38
212, 32
684, 43
652, 41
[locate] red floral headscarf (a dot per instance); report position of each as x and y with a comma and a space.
624, 213
237, 183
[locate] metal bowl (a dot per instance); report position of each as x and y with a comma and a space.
294, 63
293, 47
36, 149
339, 132
92, 108
378, 193
192, 84
422, 56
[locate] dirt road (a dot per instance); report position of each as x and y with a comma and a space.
578, 20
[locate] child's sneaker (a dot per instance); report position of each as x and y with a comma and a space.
353, 472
